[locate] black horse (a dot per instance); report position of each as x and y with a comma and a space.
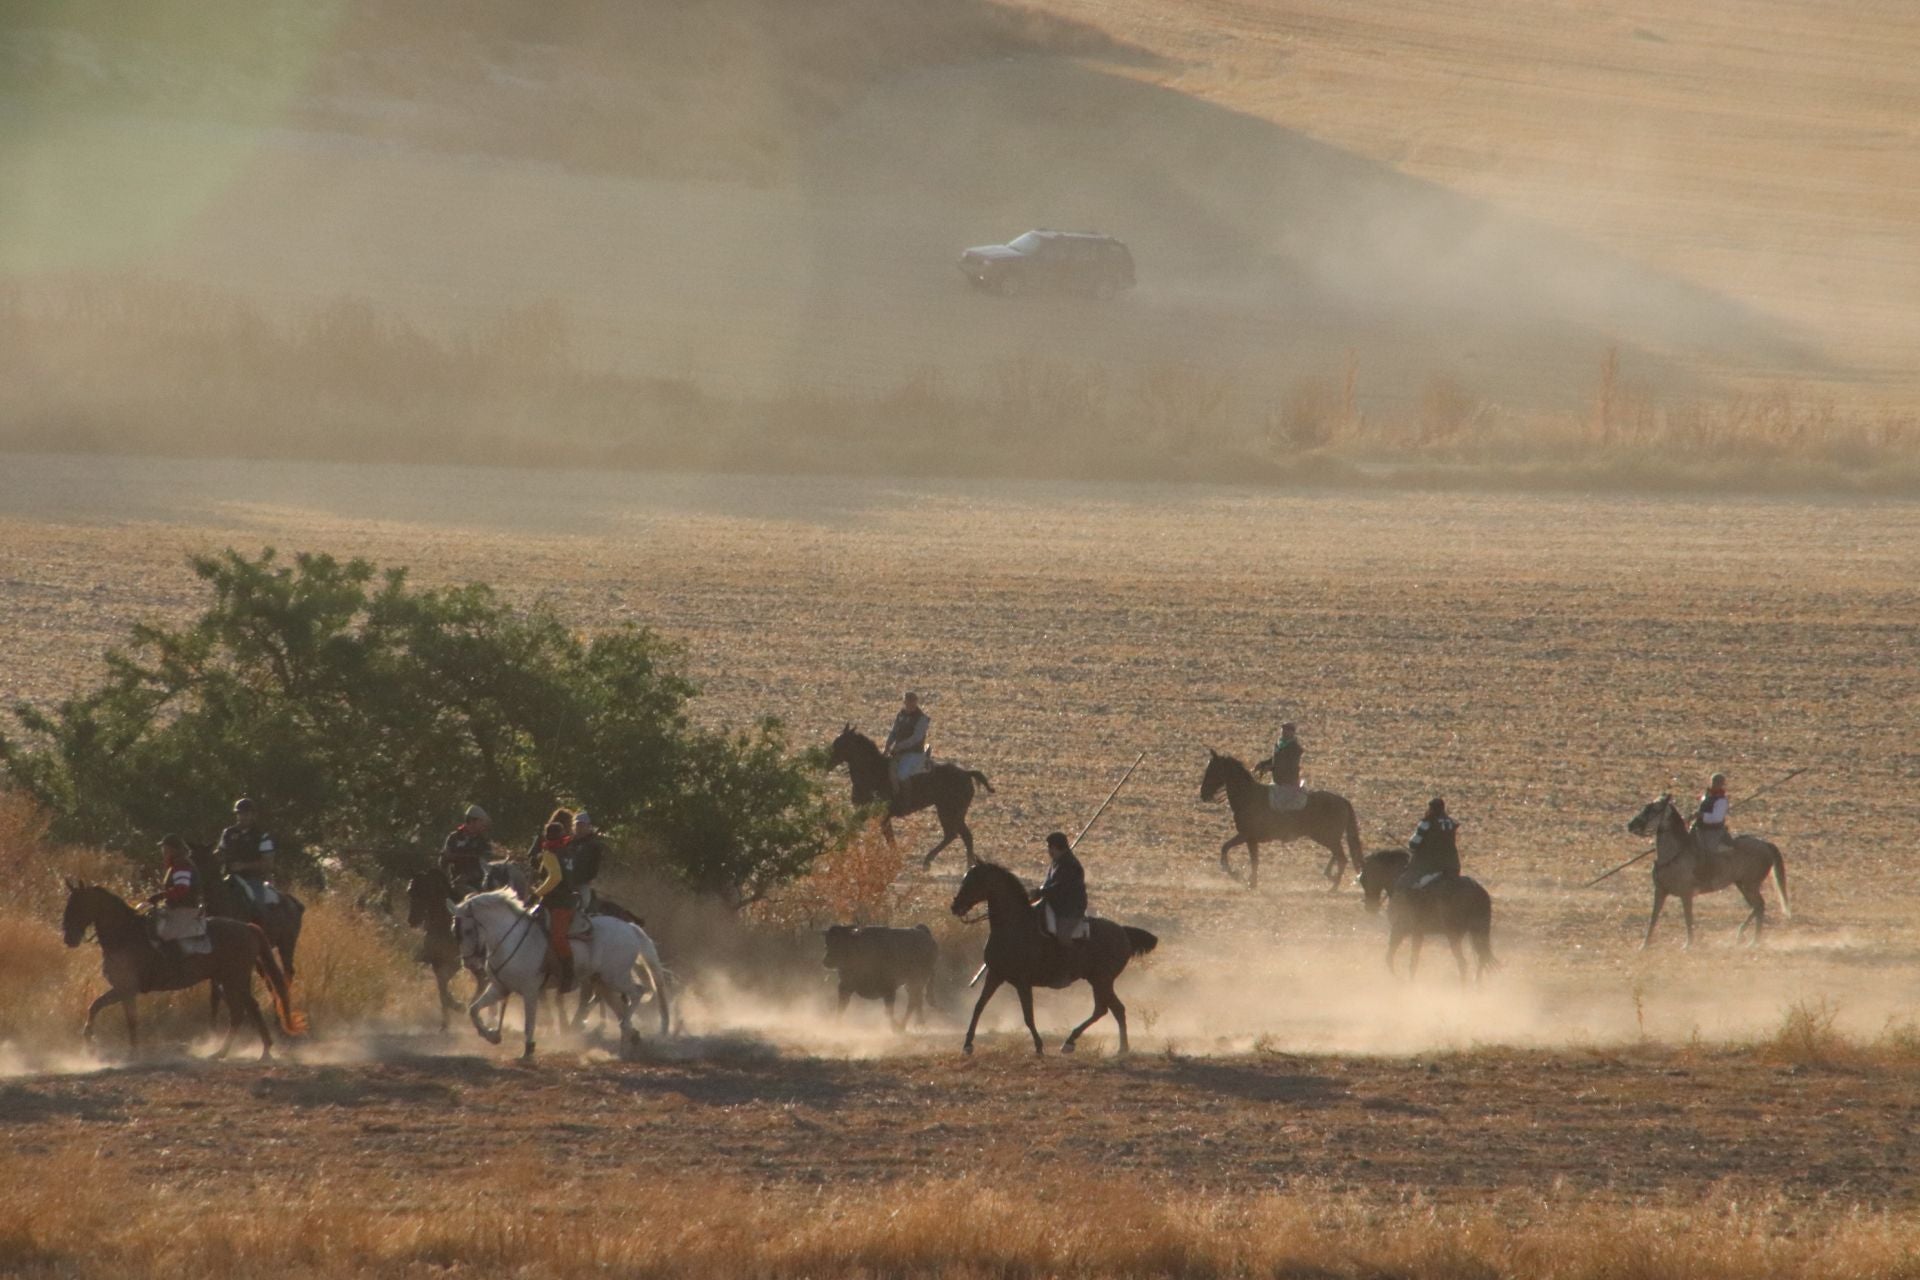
1020, 952
1324, 819
1378, 871
947, 788
280, 921
134, 965
1455, 906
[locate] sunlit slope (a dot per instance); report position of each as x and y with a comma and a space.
761, 200
1766, 149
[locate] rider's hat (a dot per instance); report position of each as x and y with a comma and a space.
1718, 780
243, 805
581, 818
1287, 727
1058, 840
1437, 805
556, 831
475, 813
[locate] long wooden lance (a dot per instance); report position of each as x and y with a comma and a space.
1075, 842
1749, 798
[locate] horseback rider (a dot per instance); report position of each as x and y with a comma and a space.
467, 851
1710, 821
907, 741
176, 915
556, 899
1284, 764
1062, 897
246, 853
1434, 847
586, 854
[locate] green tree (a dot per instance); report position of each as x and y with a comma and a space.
363, 714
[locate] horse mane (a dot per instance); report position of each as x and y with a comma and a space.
862, 740
994, 870
505, 897
1237, 773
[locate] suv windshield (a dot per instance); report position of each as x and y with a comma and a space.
1028, 242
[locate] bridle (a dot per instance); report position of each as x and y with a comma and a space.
473, 949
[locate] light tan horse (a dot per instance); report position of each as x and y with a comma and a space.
1681, 869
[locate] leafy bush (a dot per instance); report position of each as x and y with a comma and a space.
364, 714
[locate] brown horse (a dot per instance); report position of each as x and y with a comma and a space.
133, 965
1682, 869
427, 895
946, 788
1454, 906
1325, 818
1020, 952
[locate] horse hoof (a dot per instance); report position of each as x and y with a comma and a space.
967, 1048
1067, 1047
527, 1056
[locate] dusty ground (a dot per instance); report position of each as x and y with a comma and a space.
1641, 1126
1548, 664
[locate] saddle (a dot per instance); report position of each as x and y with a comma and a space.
186, 930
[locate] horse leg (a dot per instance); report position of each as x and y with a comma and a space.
1686, 905
1394, 937
133, 1026
1413, 956
1659, 901
1026, 1011
886, 829
945, 840
991, 985
1336, 869
1459, 956
1102, 993
840, 1011
533, 1015
1756, 917
112, 995
888, 1000
1119, 1012
916, 1005
1225, 865
966, 838
1253, 865
492, 993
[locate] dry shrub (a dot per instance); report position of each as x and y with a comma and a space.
851, 885
352, 965
1809, 1035
514, 1217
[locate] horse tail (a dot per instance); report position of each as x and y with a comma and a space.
981, 778
1139, 941
649, 959
1780, 879
292, 1022
1482, 929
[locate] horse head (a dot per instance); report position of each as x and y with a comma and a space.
1649, 820
1220, 774
422, 889
1377, 873
84, 904
987, 882
841, 751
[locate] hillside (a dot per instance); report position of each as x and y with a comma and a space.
1434, 214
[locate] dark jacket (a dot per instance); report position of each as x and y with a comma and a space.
1286, 763
1435, 847
1065, 888
246, 853
465, 855
906, 725
584, 856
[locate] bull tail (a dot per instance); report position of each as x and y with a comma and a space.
1139, 941
1780, 879
293, 1022
981, 778
1355, 853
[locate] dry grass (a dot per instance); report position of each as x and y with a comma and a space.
146, 366
514, 1216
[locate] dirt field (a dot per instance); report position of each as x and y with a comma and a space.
1547, 664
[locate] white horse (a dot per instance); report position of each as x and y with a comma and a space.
516, 962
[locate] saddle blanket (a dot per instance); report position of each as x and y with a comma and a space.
1286, 799
199, 946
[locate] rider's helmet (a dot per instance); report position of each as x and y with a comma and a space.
242, 809
172, 846
475, 813
583, 822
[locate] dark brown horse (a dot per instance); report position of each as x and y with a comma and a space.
133, 965
427, 895
280, 921
1020, 952
1454, 906
946, 788
1681, 868
1325, 818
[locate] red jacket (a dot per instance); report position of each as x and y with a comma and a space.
179, 888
